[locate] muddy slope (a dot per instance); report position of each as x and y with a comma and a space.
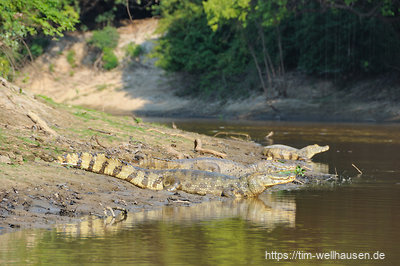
37, 192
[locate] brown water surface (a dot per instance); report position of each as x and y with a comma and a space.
362, 216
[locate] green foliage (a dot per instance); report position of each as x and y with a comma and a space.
223, 10
133, 50
101, 87
214, 58
138, 120
71, 58
38, 46
107, 17
109, 59
220, 42
299, 171
20, 19
105, 38
5, 67
337, 42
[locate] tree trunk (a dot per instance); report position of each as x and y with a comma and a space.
282, 81
260, 75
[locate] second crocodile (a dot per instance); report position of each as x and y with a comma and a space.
279, 151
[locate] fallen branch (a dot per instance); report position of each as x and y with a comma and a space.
98, 142
247, 136
41, 123
357, 168
170, 134
101, 131
198, 148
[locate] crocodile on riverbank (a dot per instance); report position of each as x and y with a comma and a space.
279, 151
191, 181
217, 165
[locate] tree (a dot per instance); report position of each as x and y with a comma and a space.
20, 19
253, 19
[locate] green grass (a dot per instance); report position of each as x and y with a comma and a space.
71, 58
138, 120
29, 141
82, 132
85, 115
48, 100
101, 87
133, 50
2, 137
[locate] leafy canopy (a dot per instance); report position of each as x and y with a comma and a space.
20, 19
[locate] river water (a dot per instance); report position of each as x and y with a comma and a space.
350, 222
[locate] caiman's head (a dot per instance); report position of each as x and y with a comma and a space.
311, 150
258, 182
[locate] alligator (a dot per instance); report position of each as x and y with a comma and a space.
187, 180
279, 151
222, 166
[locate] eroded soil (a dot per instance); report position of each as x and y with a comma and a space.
37, 192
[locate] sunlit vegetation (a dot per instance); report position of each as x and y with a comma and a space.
228, 48
227, 45
133, 50
106, 40
20, 20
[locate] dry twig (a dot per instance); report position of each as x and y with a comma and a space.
172, 134
357, 168
247, 136
101, 131
198, 147
98, 142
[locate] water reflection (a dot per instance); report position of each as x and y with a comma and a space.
269, 211
361, 216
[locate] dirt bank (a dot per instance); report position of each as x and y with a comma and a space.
38, 192
139, 87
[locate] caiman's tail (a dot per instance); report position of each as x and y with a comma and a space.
103, 164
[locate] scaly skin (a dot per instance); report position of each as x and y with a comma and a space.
279, 151
191, 181
222, 166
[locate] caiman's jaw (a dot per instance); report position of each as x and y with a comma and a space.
279, 178
259, 182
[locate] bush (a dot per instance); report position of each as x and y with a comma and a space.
5, 67
71, 58
110, 60
133, 50
38, 46
105, 38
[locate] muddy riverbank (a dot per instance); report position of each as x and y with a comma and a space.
38, 192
